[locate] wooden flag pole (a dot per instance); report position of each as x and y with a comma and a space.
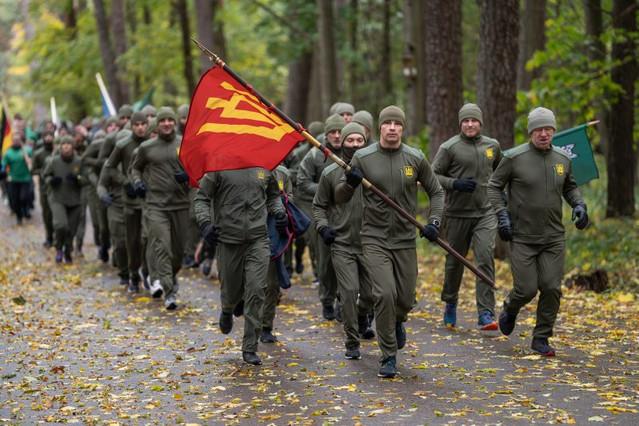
328, 153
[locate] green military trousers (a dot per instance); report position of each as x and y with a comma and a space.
311, 237
117, 228
537, 267
192, 230
167, 239
393, 275
271, 294
65, 224
47, 217
326, 274
243, 269
462, 234
82, 224
135, 246
95, 205
355, 291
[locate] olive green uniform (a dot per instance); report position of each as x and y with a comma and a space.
388, 240
166, 206
536, 181
238, 201
65, 200
469, 217
272, 291
301, 241
82, 224
121, 158
111, 181
37, 168
96, 209
346, 250
308, 177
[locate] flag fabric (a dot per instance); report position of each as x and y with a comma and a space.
229, 128
576, 144
5, 131
146, 100
108, 109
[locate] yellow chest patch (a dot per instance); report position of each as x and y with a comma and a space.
559, 169
261, 175
408, 171
280, 184
490, 153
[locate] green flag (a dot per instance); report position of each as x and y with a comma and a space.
146, 100
576, 144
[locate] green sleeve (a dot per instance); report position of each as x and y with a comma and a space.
138, 164
433, 189
570, 191
498, 181
202, 202
441, 163
112, 163
498, 156
305, 175
343, 191
273, 200
322, 202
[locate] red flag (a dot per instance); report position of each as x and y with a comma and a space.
5, 131
228, 128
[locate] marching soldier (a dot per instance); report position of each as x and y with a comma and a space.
40, 158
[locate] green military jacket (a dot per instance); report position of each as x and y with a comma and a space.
536, 182
111, 181
107, 146
67, 193
90, 162
344, 218
238, 202
284, 181
462, 157
155, 164
309, 172
122, 155
39, 162
396, 173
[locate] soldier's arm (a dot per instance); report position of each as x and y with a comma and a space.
305, 175
47, 173
498, 156
343, 191
441, 163
570, 191
137, 165
202, 202
497, 183
434, 190
112, 163
273, 200
36, 166
105, 151
321, 202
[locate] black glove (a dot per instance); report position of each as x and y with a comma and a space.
130, 191
55, 181
328, 234
107, 199
73, 179
181, 177
464, 185
504, 226
580, 216
281, 222
430, 232
210, 233
354, 177
140, 189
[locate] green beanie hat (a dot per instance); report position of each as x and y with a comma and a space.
470, 111
344, 108
153, 126
138, 117
541, 117
316, 128
149, 110
166, 112
183, 111
364, 118
125, 111
334, 122
111, 120
67, 139
351, 128
392, 112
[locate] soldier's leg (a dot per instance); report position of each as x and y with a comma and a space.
133, 228
179, 222
118, 236
94, 207
311, 236
458, 234
483, 243
103, 220
256, 263
551, 272
230, 259
405, 273
300, 246
60, 223
523, 263
82, 222
74, 217
159, 227
365, 301
347, 273
377, 262
326, 273
47, 217
271, 294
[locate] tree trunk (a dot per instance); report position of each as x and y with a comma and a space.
299, 84
442, 34
108, 57
209, 32
532, 39
118, 28
185, 27
621, 156
497, 68
353, 65
328, 61
386, 73
597, 54
412, 66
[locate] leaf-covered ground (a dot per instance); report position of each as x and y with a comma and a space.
75, 348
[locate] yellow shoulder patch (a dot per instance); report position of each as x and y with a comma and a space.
490, 153
408, 171
260, 174
559, 169
280, 184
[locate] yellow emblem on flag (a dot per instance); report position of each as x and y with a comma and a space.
280, 183
490, 153
559, 168
260, 174
408, 171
